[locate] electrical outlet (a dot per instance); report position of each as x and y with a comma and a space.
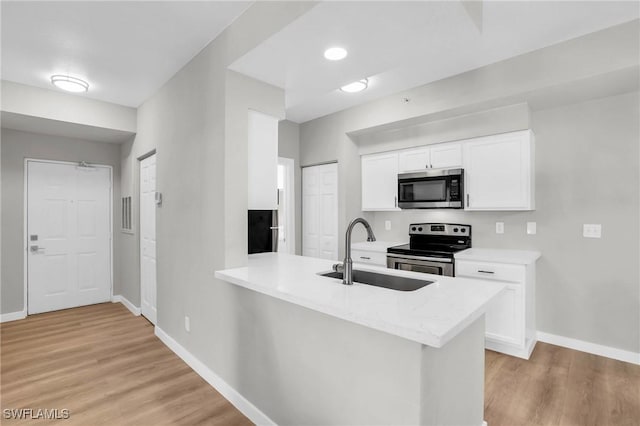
592, 230
387, 225
499, 227
531, 228
187, 324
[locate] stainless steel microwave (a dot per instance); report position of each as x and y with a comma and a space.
431, 189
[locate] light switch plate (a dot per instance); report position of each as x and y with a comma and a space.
499, 227
387, 225
592, 230
531, 228
187, 324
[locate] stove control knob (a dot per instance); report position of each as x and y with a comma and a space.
456, 230
420, 229
463, 230
413, 228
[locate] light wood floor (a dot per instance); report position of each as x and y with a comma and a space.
563, 387
107, 367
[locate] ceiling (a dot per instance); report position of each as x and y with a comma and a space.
125, 50
400, 45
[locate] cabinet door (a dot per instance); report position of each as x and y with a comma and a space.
380, 181
505, 316
446, 155
498, 172
413, 159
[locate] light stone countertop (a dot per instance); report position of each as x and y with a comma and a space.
376, 246
432, 315
516, 257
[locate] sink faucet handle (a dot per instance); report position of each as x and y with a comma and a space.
338, 267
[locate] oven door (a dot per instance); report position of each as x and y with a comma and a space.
427, 265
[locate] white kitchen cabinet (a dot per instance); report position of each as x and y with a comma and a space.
499, 172
510, 317
262, 146
380, 181
430, 157
372, 252
413, 159
446, 155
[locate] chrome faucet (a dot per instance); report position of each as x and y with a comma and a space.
347, 265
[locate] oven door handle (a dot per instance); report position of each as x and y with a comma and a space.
430, 259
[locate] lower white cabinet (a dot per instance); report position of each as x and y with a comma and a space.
510, 317
369, 257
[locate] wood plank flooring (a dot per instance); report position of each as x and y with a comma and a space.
560, 387
107, 367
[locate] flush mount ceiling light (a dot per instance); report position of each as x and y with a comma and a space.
356, 86
70, 84
335, 53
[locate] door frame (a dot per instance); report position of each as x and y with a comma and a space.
25, 220
138, 193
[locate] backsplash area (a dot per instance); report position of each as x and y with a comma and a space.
483, 226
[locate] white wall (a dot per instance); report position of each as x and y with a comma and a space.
587, 289
16, 146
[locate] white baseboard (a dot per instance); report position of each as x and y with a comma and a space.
130, 306
13, 316
591, 348
232, 395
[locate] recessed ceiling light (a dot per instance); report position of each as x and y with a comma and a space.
335, 53
70, 84
356, 86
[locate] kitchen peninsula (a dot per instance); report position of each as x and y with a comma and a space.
362, 354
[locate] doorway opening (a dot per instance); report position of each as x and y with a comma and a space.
286, 206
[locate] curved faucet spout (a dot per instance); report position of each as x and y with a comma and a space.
347, 277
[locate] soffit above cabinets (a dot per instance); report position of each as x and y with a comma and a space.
126, 50
400, 45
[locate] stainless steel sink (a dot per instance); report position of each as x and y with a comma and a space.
382, 280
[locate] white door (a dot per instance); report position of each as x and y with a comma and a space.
380, 181
320, 211
148, 238
68, 235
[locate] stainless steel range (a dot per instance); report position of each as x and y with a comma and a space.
431, 248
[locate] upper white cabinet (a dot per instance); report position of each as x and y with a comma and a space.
427, 157
413, 159
499, 172
380, 181
262, 161
446, 155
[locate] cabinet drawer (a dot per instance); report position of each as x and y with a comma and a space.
369, 257
490, 271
